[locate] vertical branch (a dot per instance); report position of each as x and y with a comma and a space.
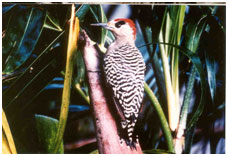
106, 128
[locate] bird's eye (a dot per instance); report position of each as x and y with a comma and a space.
118, 24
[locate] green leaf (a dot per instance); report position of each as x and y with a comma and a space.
103, 19
168, 29
100, 17
162, 118
21, 37
52, 24
80, 77
179, 21
211, 75
189, 139
147, 36
186, 102
32, 81
47, 129
80, 66
82, 10
73, 37
193, 33
198, 65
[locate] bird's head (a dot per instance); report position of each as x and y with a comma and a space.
120, 27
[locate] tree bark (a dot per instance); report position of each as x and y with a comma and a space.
106, 128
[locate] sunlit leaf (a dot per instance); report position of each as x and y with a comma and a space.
211, 75
193, 33
51, 23
72, 46
5, 145
7, 137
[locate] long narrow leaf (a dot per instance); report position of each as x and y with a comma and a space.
12, 93
211, 75
71, 49
82, 10
7, 8
5, 144
51, 24
169, 90
198, 65
161, 116
100, 17
147, 33
103, 20
175, 56
8, 133
192, 44
195, 32
187, 98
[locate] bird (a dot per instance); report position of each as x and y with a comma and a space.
124, 71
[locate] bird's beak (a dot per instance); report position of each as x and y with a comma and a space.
104, 25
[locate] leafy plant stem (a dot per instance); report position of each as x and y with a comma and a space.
79, 90
187, 99
72, 47
175, 59
169, 90
186, 102
161, 115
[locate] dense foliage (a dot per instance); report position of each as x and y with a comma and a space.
184, 50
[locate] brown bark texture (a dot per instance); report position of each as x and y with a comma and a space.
106, 128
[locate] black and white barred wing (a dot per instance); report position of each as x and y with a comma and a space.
124, 69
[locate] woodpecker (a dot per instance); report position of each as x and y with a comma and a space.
124, 70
